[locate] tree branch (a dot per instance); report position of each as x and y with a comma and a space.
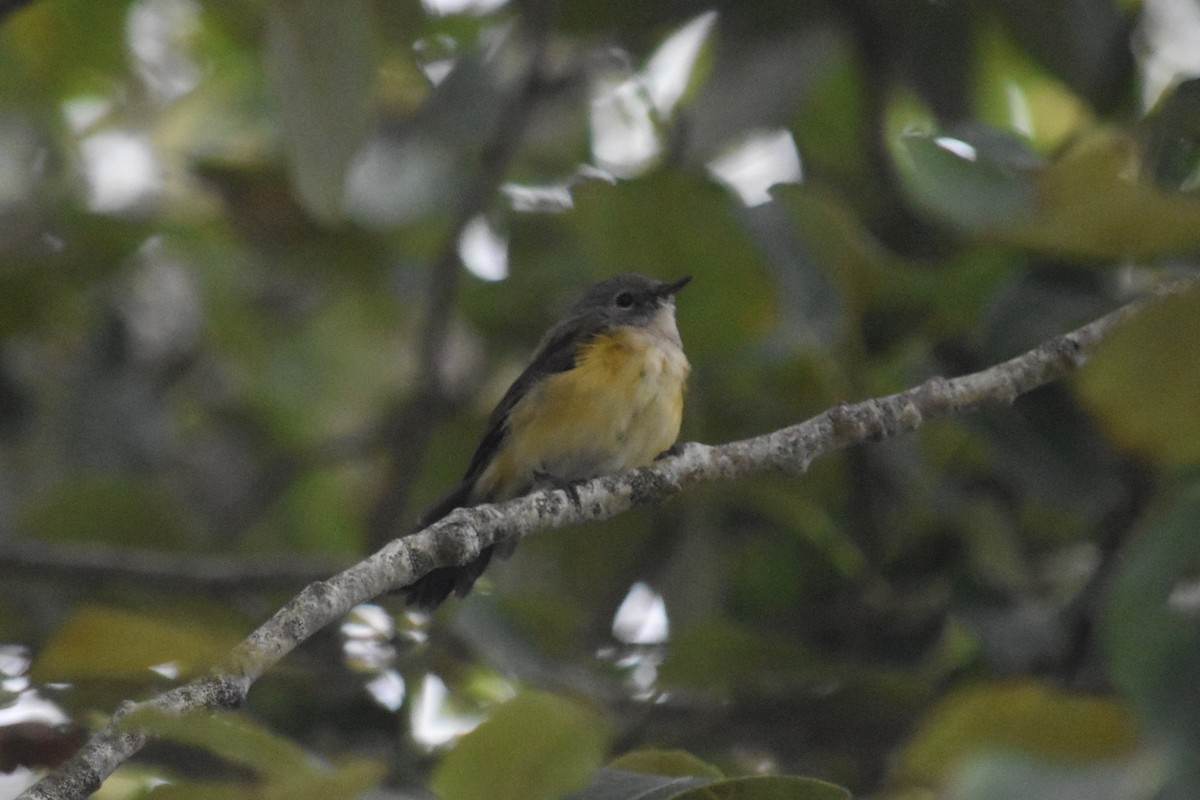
461, 536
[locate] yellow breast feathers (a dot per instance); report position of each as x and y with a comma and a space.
618, 408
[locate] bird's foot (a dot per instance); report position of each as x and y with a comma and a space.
571, 488
674, 450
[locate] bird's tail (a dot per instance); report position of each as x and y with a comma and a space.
429, 591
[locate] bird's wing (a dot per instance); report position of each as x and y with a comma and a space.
556, 353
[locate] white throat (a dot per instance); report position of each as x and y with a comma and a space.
662, 324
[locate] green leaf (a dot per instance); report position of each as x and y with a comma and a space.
1085, 204
674, 763
618, 784
1172, 138
766, 787
1150, 627
288, 771
346, 780
63, 47
1144, 381
974, 187
1088, 205
141, 780
1026, 717
195, 790
1085, 42
228, 735
536, 746
1011, 776
102, 642
321, 65
1014, 91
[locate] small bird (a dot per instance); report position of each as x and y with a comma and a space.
603, 393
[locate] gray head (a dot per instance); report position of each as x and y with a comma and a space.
628, 299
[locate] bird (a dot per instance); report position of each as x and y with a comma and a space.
603, 393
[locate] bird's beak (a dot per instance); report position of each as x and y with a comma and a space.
669, 289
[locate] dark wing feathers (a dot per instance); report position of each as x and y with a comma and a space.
556, 353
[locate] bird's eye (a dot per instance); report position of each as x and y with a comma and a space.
624, 300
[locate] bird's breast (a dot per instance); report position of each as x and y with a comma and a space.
617, 408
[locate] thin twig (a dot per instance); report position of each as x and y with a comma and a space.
459, 538
28, 559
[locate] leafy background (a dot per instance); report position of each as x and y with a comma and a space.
238, 350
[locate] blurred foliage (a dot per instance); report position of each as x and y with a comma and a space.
281, 768
121, 644
218, 226
535, 746
1128, 370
